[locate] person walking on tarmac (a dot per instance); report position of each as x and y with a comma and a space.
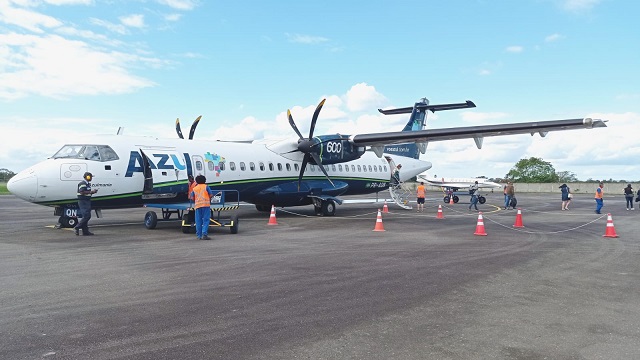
628, 195
84, 204
201, 195
473, 190
509, 194
598, 197
420, 194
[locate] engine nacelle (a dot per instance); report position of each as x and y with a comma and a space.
334, 149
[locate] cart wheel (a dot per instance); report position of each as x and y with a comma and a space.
150, 220
234, 227
186, 224
482, 199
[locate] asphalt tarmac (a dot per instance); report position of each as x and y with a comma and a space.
326, 287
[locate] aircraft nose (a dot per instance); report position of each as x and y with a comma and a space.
24, 185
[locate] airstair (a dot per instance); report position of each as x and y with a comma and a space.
400, 195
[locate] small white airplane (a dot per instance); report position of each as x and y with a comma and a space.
136, 171
451, 185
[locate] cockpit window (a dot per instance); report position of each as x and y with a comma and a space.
86, 152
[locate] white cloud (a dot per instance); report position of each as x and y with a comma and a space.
69, 2
179, 4
514, 49
579, 5
305, 39
477, 118
364, 97
553, 37
116, 28
63, 67
26, 19
134, 20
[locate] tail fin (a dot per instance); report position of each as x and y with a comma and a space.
417, 121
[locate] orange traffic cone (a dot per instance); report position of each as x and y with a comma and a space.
440, 214
451, 200
379, 226
385, 209
272, 217
518, 222
611, 231
480, 226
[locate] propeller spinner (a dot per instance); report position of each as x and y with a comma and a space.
307, 145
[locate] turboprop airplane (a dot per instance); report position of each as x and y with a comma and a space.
451, 185
135, 171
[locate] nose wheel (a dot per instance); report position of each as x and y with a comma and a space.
67, 222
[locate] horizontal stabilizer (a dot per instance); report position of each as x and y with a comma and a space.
432, 108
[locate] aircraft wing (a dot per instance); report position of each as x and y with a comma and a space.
474, 132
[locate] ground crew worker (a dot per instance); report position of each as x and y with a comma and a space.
598, 197
473, 190
421, 193
84, 204
201, 195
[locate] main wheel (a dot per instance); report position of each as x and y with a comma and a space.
328, 208
446, 199
67, 222
150, 220
234, 227
482, 199
263, 208
455, 199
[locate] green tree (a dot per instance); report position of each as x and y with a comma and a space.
566, 176
6, 174
533, 170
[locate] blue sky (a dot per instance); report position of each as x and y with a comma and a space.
69, 68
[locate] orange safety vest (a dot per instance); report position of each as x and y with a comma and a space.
420, 191
191, 186
202, 197
599, 194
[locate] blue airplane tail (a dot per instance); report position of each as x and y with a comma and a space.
417, 122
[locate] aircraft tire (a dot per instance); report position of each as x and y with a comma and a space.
150, 220
328, 208
482, 199
234, 228
263, 208
446, 199
67, 222
455, 199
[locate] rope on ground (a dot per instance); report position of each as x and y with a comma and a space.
543, 232
374, 213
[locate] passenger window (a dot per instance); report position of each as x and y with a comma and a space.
199, 166
220, 165
242, 166
359, 168
312, 168
385, 168
370, 169
232, 166
296, 167
279, 167
333, 168
346, 168
353, 168
288, 166
211, 167
261, 166
252, 166
340, 167
270, 166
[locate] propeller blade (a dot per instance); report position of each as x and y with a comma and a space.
178, 130
305, 160
318, 161
315, 118
293, 125
193, 127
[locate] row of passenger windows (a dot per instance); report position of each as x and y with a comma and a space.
287, 166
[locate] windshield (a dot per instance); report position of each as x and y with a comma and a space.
86, 152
